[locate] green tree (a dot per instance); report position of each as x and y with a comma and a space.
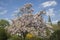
3, 34
4, 23
55, 35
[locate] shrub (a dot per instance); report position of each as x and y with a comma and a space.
55, 35
15, 37
3, 35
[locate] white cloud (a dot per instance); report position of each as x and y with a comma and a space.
55, 22
14, 13
50, 12
2, 12
49, 3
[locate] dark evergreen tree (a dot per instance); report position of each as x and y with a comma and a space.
49, 20
58, 23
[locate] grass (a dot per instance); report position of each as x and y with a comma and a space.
56, 27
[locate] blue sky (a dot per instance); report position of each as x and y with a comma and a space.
9, 7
